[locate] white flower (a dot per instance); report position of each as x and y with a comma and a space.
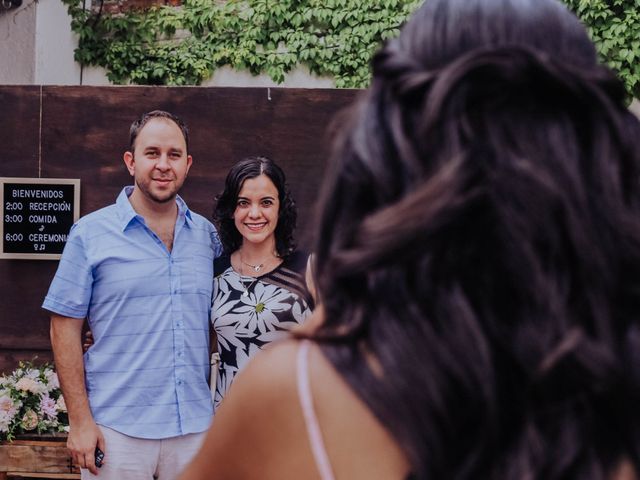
5, 401
242, 357
52, 380
300, 314
29, 384
28, 401
223, 382
230, 331
61, 406
233, 280
50, 422
259, 306
5, 421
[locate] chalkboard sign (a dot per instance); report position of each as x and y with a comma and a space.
37, 214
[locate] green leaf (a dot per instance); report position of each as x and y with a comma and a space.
183, 45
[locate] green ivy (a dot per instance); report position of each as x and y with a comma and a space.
336, 38
615, 28
183, 46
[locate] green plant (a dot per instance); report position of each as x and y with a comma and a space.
615, 28
31, 401
184, 45
179, 46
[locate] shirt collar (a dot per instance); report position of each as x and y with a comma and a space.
127, 214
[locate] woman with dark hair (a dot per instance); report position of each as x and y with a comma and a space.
478, 263
259, 288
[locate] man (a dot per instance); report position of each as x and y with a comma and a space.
140, 272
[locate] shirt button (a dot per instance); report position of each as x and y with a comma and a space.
179, 382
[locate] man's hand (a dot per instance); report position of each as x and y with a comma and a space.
88, 341
84, 434
82, 442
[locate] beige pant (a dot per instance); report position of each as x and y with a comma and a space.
129, 458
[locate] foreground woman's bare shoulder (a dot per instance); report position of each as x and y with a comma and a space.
260, 432
256, 431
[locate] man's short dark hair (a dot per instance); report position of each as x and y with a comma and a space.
144, 119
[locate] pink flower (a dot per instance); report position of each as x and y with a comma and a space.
30, 420
28, 401
48, 407
6, 404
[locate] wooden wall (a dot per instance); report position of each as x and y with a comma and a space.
81, 132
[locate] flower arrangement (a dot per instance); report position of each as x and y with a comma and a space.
31, 401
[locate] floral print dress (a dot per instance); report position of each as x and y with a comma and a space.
275, 302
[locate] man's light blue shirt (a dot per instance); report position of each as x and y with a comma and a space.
148, 308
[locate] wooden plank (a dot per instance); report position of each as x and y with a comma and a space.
226, 124
29, 438
41, 475
24, 283
21, 319
9, 357
35, 458
19, 130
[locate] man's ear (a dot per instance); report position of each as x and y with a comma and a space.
189, 162
130, 162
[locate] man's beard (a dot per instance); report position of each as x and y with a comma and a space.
149, 194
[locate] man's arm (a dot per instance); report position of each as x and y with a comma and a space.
84, 434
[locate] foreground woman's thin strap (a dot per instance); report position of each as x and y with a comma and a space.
310, 419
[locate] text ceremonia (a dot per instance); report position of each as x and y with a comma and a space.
37, 215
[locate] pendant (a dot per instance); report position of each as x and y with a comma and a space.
257, 268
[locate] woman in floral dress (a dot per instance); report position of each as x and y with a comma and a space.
259, 288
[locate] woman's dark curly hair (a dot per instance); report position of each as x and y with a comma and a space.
225, 205
479, 243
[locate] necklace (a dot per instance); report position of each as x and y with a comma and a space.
256, 269
247, 287
260, 265
244, 285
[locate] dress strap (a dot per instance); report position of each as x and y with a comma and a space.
310, 418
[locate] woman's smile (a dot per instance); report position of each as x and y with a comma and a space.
255, 226
257, 207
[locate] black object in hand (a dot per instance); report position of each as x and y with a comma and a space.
99, 457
